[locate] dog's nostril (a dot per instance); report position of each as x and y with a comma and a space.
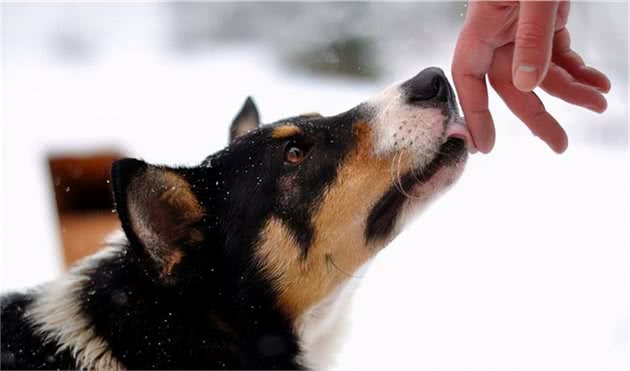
429, 84
441, 87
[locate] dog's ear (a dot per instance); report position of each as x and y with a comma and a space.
158, 211
246, 120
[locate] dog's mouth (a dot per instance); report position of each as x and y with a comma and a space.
452, 154
456, 128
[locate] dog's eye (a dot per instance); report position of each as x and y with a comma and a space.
294, 155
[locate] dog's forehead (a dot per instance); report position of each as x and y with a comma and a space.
277, 132
285, 129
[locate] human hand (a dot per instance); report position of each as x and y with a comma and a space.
521, 45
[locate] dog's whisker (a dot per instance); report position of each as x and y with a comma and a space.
394, 178
402, 187
397, 177
331, 261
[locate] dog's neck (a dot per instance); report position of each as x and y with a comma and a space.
144, 327
321, 329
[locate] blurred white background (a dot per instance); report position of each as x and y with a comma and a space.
523, 265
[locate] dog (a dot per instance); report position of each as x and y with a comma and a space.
243, 261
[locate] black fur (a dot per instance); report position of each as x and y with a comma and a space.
21, 347
216, 310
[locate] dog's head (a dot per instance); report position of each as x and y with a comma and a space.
301, 203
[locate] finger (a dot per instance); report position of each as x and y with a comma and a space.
529, 109
562, 15
470, 63
561, 84
533, 42
573, 63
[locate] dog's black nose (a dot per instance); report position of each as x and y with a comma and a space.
429, 84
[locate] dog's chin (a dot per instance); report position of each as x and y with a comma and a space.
421, 186
441, 173
418, 188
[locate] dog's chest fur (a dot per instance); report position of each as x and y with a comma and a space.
58, 330
322, 328
92, 318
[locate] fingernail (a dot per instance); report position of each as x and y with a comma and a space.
525, 77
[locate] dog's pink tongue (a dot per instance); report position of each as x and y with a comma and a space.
457, 129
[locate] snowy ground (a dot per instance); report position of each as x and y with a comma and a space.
522, 265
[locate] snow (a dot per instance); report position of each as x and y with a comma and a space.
522, 265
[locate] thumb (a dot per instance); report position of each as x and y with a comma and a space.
533, 43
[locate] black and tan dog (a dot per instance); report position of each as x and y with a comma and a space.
238, 262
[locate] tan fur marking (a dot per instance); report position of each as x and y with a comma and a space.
339, 246
285, 131
171, 261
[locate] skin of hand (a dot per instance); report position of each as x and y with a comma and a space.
521, 46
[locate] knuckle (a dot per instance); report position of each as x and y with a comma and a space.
530, 35
562, 41
538, 115
562, 16
482, 113
457, 68
462, 71
503, 5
